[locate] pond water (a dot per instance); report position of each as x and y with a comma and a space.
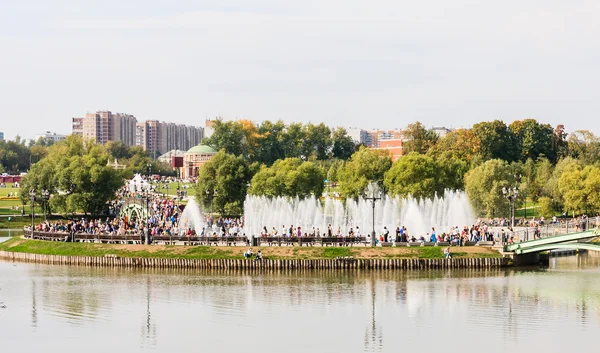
10, 233
69, 309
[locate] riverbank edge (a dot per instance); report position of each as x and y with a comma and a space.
237, 264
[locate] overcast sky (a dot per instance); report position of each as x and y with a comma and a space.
370, 64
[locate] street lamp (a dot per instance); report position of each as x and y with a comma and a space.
45, 198
149, 166
511, 194
32, 196
211, 197
373, 195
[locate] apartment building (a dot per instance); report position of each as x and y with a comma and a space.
160, 137
104, 126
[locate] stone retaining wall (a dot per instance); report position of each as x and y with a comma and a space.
387, 264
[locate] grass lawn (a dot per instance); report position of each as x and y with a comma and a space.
221, 252
4, 192
172, 188
532, 211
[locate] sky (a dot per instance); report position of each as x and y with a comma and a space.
369, 64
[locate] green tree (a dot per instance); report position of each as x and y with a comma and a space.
533, 139
452, 170
546, 207
585, 146
15, 156
343, 145
270, 146
551, 187
289, 177
413, 174
76, 175
572, 187
462, 144
365, 166
317, 142
484, 187
419, 139
222, 184
293, 141
228, 136
496, 140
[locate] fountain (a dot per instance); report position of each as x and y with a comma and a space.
191, 217
417, 215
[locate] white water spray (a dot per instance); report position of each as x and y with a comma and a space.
191, 217
418, 216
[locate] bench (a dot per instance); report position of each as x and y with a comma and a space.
428, 243
443, 243
385, 244
415, 243
485, 243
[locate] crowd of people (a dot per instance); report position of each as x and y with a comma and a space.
454, 236
164, 219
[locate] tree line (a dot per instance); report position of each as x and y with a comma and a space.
76, 174
558, 171
549, 166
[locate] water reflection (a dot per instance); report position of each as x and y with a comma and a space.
93, 309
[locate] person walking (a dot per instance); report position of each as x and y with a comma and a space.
447, 252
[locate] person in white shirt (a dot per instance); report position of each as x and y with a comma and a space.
357, 232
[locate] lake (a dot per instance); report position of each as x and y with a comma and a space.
10, 233
69, 309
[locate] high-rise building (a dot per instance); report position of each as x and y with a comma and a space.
1, 136
104, 126
360, 136
77, 126
124, 128
160, 137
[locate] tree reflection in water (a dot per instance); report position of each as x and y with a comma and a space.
373, 336
148, 328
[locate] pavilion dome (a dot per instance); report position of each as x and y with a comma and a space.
201, 149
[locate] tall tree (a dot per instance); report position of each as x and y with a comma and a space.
584, 145
222, 184
497, 141
418, 138
534, 140
365, 166
414, 174
484, 187
228, 136
76, 175
270, 146
317, 142
288, 177
293, 141
551, 186
463, 144
343, 145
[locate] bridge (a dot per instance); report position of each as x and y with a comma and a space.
572, 241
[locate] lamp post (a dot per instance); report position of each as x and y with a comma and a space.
45, 198
32, 196
211, 197
511, 194
149, 167
373, 196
